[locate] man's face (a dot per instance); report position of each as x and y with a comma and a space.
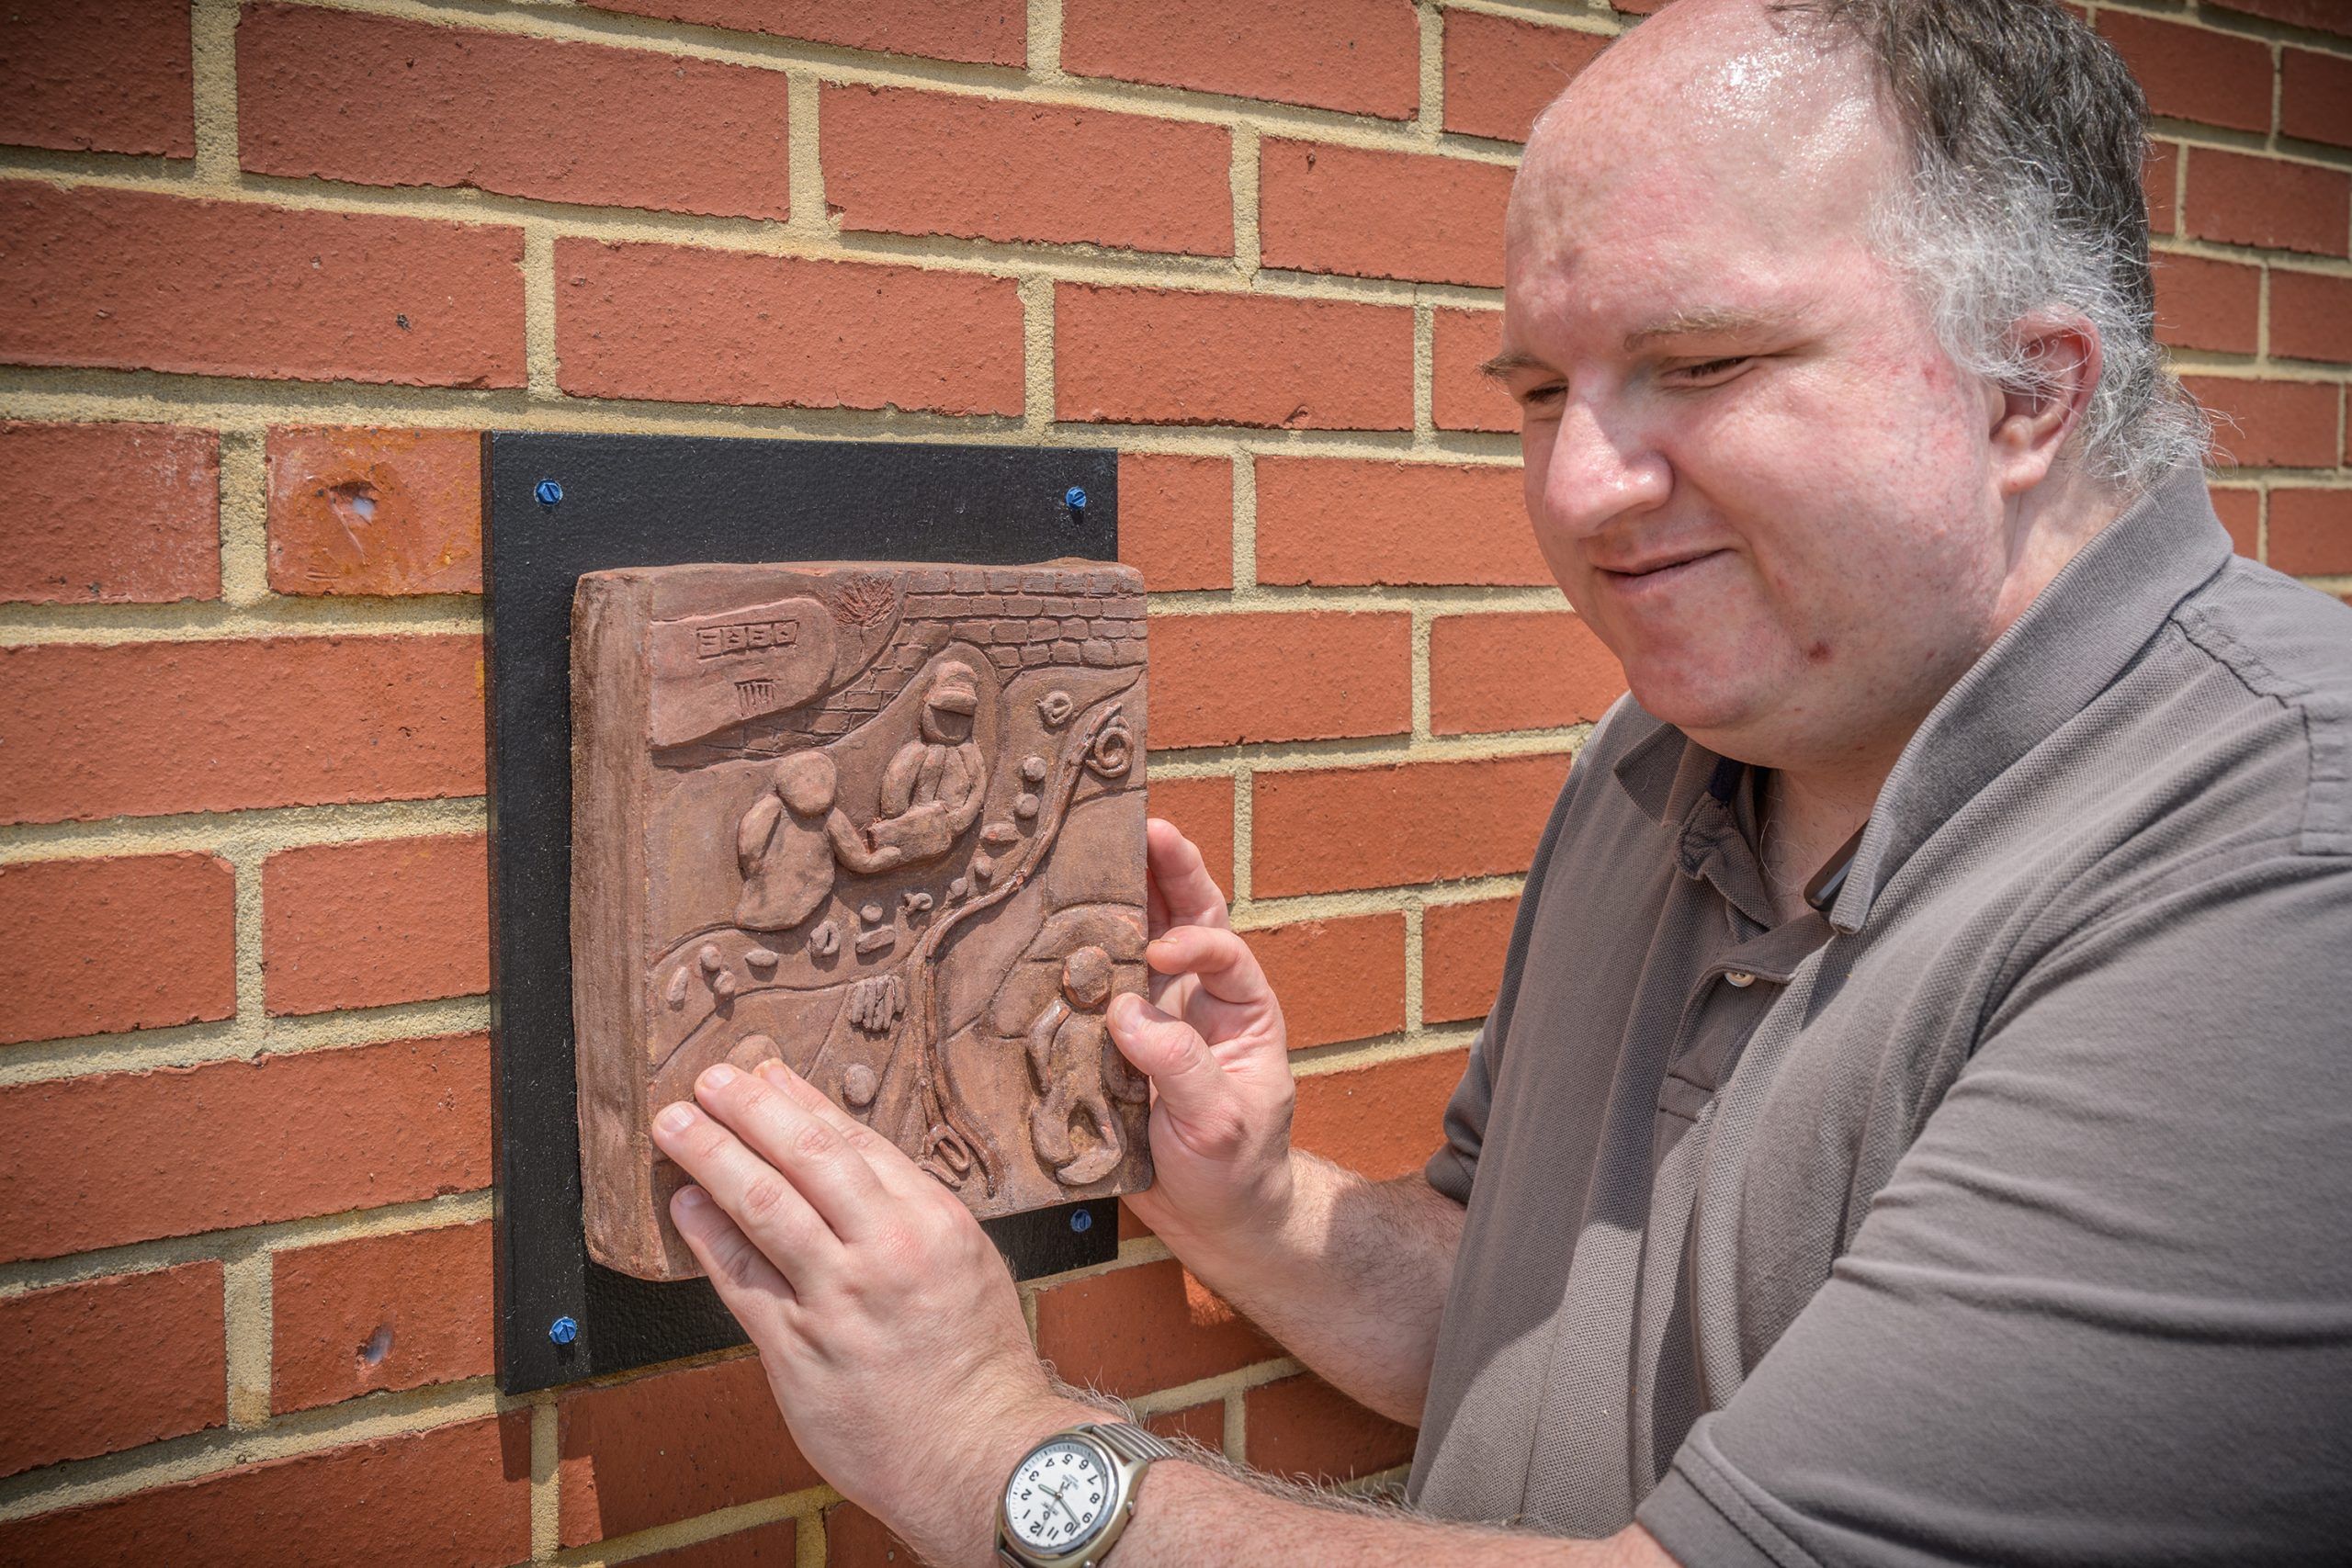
1751, 465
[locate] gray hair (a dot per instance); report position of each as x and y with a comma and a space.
2026, 141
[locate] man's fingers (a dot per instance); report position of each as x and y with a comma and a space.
747, 1281
1172, 1054
757, 1198
792, 1136
1221, 961
1186, 894
886, 1159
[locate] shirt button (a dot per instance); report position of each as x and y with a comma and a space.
1739, 977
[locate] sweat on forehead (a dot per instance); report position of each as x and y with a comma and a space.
1708, 93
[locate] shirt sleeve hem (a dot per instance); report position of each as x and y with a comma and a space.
1450, 1174
1700, 1517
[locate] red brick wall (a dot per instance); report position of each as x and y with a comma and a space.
262, 272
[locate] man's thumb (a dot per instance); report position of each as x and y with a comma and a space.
1172, 1054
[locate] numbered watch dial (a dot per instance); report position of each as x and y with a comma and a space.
1058, 1497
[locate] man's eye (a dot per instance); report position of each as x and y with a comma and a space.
1543, 396
1709, 371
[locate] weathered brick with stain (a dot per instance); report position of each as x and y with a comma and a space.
380, 1312
112, 513
1324, 207
125, 941
368, 510
1342, 674
99, 76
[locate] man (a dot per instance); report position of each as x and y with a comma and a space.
1912, 1125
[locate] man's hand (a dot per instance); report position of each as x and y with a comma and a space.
1211, 1042
885, 1321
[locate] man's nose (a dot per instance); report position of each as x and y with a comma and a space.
1600, 468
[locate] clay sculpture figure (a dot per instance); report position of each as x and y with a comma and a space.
881, 822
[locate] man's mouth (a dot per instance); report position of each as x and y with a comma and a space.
1658, 568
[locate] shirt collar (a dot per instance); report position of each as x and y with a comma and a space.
2069, 644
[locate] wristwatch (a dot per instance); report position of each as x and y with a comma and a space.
1072, 1496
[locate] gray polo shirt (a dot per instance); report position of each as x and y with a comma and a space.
2004, 1215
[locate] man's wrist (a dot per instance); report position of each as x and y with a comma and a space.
1007, 1441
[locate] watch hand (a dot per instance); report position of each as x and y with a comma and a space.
1056, 1494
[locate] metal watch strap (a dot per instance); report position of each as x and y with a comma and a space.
1128, 1440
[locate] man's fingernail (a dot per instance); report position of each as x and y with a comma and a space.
720, 1076
691, 1198
675, 1118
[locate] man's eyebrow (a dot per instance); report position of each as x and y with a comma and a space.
1500, 367
1710, 320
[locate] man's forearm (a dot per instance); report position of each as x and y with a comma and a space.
1351, 1282
1190, 1513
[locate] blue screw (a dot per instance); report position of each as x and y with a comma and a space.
548, 492
563, 1331
1074, 497
1083, 1220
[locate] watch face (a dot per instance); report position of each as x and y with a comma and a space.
1058, 1497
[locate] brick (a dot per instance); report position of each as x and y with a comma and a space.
2208, 304
131, 941
2241, 514
2321, 15
676, 324
2159, 174
1201, 1424
456, 1496
1461, 957
136, 280
1201, 810
1362, 56
1142, 356
1500, 71
370, 924
670, 1446
2311, 316
984, 32
108, 513
1461, 396
855, 1539
1305, 1428
2315, 96
2192, 73
1341, 673
2264, 424
902, 161
1347, 523
146, 727
1176, 520
2244, 200
1337, 979
2311, 532
381, 101
110, 1364
773, 1545
1533, 669
98, 76
1373, 214
1328, 830
1132, 1331
109, 1159
380, 1312
1381, 1120
365, 510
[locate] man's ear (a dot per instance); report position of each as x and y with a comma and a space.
2032, 420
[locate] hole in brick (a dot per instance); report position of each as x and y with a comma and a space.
354, 501
379, 1346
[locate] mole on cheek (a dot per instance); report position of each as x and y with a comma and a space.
1819, 653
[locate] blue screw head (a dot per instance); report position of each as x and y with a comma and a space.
563, 1331
548, 492
1083, 1220
1074, 497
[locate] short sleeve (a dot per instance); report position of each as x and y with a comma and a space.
1450, 1170
2102, 1310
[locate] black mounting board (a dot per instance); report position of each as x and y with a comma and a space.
661, 501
